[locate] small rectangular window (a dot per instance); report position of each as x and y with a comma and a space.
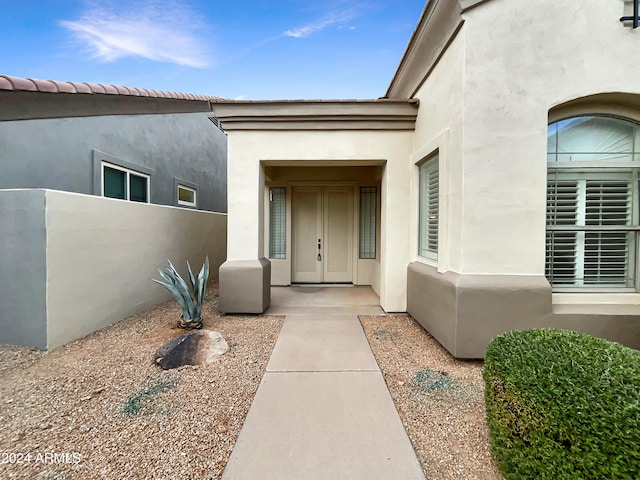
186, 196
368, 202
277, 222
428, 208
125, 184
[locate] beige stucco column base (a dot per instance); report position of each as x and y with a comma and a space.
245, 286
464, 312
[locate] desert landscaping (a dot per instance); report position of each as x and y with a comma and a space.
100, 408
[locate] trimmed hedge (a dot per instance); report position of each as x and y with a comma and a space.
563, 405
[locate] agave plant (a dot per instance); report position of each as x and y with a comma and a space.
189, 296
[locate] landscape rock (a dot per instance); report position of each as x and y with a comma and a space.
198, 347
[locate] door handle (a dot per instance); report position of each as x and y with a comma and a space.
319, 250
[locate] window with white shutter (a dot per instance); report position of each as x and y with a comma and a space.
277, 222
428, 209
592, 204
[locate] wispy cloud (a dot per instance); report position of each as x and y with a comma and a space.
161, 30
338, 18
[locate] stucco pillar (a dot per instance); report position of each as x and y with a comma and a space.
245, 278
394, 237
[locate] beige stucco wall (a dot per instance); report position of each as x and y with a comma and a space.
440, 126
514, 74
102, 253
247, 149
486, 106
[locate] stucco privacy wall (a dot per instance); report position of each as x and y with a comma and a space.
57, 153
22, 266
246, 180
100, 256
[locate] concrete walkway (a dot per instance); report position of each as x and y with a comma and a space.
322, 410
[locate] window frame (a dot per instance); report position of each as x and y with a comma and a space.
584, 172
372, 252
282, 225
100, 158
430, 163
184, 203
128, 172
182, 183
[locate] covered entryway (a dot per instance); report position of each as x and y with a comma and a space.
275, 148
323, 222
322, 218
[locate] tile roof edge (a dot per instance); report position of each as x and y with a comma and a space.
381, 100
11, 83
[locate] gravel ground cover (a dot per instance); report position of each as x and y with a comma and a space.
440, 399
99, 408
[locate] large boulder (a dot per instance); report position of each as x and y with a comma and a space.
199, 347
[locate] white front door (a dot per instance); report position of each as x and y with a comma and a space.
322, 219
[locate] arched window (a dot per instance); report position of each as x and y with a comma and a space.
592, 203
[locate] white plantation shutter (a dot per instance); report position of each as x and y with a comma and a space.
562, 209
607, 253
590, 233
277, 222
429, 206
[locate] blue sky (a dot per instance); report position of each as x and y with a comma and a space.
241, 49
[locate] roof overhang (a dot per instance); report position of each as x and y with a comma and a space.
440, 22
29, 98
36, 105
382, 114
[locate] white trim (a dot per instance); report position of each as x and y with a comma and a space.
189, 189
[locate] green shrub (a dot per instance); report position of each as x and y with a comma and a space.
563, 405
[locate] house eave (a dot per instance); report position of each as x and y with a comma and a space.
439, 24
36, 105
30, 98
380, 114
